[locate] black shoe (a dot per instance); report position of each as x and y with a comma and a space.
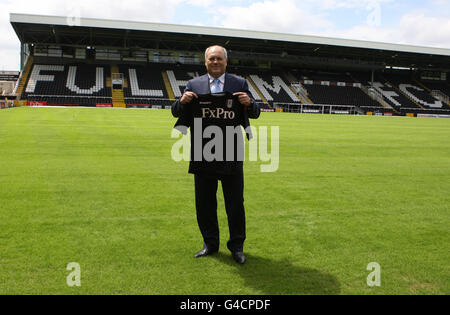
205, 252
239, 257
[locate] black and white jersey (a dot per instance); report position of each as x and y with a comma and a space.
217, 144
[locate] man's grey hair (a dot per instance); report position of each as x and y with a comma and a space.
225, 52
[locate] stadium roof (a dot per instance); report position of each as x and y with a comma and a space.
59, 30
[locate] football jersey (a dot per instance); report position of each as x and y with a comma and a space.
217, 144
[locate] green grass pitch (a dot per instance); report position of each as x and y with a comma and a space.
98, 187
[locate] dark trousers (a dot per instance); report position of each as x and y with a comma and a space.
206, 207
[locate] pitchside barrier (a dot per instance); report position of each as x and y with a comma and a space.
317, 109
148, 106
6, 104
432, 113
432, 116
163, 103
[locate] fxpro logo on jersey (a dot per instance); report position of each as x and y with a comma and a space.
218, 113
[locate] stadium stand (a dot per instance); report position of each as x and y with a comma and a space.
340, 95
433, 85
439, 91
110, 63
334, 88
157, 85
144, 85
74, 84
317, 75
392, 91
274, 88
416, 96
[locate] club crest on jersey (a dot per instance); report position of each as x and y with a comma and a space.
230, 104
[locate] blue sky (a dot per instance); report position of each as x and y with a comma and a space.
424, 23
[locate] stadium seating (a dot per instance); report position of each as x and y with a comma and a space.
144, 84
434, 85
442, 88
315, 75
334, 89
404, 93
80, 84
178, 80
417, 97
154, 84
274, 88
340, 95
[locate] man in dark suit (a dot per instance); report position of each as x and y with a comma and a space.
217, 81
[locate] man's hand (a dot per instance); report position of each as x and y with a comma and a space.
187, 97
243, 98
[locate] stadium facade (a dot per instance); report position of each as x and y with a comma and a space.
74, 61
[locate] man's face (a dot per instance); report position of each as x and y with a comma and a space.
216, 64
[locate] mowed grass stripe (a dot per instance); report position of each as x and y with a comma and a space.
98, 187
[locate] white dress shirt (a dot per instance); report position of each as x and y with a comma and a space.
221, 83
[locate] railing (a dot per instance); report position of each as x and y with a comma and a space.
375, 95
68, 96
117, 79
318, 108
441, 96
426, 109
299, 88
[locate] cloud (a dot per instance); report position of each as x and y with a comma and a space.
134, 10
10, 59
414, 28
348, 4
145, 10
274, 16
200, 3
419, 29
286, 16
429, 26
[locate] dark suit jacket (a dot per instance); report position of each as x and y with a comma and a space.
200, 85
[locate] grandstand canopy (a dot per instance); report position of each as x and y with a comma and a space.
283, 49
